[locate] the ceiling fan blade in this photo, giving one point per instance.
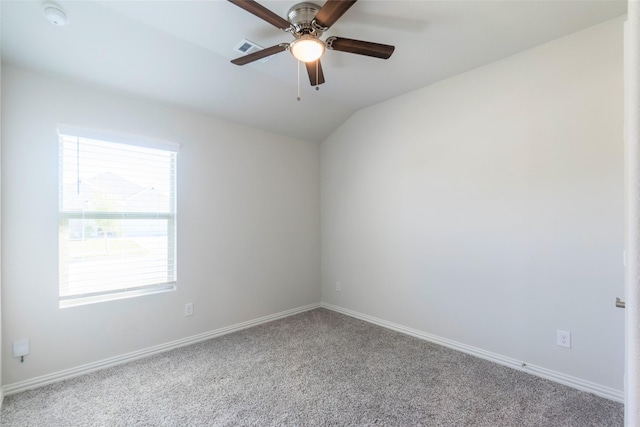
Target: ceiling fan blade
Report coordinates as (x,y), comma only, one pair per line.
(377,50)
(261,54)
(316,76)
(331,12)
(263,13)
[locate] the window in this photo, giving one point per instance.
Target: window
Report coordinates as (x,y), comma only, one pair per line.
(117,217)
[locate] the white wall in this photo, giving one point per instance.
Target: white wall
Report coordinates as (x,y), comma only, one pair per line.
(487,209)
(248,226)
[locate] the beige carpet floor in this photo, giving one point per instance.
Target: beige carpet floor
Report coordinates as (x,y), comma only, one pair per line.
(318,368)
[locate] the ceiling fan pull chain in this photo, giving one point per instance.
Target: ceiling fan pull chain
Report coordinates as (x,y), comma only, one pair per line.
(298,80)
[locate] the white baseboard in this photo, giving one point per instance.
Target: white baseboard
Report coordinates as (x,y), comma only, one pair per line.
(577,383)
(129,357)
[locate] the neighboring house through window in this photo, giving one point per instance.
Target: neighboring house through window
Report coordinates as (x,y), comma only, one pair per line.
(117,216)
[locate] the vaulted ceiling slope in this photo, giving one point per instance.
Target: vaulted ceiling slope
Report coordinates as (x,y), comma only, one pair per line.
(179,52)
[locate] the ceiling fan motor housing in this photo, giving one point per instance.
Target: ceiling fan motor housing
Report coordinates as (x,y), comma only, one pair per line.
(301,18)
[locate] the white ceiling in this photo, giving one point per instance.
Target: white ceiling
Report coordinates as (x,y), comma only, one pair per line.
(179,51)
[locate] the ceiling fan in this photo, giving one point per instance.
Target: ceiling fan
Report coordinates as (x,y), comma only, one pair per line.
(307,22)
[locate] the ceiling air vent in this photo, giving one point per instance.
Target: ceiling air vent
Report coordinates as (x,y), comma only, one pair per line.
(246,47)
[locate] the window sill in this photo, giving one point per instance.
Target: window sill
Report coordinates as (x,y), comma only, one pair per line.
(112,296)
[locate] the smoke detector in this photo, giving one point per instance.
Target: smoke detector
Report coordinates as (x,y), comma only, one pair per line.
(55,14)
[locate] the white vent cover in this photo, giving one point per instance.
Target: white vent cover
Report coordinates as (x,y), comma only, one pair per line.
(246,47)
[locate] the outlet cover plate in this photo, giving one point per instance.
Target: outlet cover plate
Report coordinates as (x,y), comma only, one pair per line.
(564,339)
(188,309)
(21,347)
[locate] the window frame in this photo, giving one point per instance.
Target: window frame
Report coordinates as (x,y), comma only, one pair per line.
(170,217)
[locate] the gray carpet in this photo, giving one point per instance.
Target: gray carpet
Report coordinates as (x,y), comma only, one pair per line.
(316,368)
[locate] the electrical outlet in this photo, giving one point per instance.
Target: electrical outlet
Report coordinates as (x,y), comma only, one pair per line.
(188,309)
(21,347)
(564,338)
(338,286)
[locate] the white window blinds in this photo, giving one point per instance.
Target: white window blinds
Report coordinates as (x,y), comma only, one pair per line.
(117,218)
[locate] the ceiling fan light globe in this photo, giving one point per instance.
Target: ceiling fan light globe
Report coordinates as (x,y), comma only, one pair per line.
(307,49)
